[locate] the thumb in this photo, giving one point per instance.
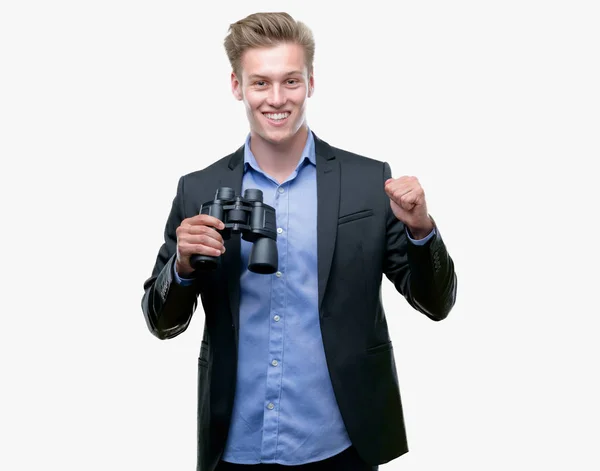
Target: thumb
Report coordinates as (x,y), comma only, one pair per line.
(386,186)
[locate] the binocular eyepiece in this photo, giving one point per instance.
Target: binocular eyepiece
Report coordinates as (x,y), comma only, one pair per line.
(252,218)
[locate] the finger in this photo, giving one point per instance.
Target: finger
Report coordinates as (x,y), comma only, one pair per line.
(396,192)
(405,179)
(391,185)
(185,231)
(412,198)
(198,249)
(408,200)
(403,185)
(202,239)
(205,220)
(206,230)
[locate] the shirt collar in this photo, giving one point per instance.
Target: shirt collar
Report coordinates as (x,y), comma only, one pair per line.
(308,154)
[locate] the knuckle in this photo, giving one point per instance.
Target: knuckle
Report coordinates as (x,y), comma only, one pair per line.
(208,241)
(201,229)
(199,249)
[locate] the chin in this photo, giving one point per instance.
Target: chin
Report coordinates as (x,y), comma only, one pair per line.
(276,137)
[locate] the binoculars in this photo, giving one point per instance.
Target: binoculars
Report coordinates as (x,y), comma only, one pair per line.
(252,218)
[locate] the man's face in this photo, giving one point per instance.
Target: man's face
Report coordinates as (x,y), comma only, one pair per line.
(274,87)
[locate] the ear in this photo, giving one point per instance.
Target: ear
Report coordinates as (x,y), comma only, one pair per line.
(311,84)
(236,87)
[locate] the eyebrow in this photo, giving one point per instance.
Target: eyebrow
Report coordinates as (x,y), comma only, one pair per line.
(259,76)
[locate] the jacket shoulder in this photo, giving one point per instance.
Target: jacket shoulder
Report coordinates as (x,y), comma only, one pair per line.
(357,163)
(345,156)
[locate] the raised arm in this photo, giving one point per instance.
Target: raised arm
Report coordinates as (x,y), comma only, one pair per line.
(422,272)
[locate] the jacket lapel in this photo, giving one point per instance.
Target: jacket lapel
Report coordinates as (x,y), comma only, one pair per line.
(328,203)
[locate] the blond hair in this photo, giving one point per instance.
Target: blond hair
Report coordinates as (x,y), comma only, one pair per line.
(267,30)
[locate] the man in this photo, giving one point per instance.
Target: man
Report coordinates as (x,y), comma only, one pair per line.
(296,368)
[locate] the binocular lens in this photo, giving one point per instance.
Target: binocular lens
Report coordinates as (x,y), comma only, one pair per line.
(263,256)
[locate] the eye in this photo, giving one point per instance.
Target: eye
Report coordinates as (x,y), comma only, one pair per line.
(260,83)
(292,82)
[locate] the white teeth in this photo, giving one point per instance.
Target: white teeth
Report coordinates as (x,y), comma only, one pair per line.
(277,116)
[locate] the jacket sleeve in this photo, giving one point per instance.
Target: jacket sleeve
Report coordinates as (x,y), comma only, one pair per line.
(423,274)
(168,306)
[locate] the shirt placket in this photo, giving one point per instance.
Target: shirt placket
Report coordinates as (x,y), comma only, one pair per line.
(276,330)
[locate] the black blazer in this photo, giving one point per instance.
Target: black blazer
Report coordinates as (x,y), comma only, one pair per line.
(359,240)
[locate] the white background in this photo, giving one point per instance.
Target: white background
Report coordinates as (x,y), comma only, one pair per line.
(493,105)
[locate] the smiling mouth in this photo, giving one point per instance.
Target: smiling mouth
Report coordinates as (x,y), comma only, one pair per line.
(276,117)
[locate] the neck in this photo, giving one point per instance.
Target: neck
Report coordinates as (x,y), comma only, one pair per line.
(279,160)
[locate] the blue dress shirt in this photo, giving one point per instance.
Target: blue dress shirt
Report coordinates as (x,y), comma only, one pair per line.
(284,410)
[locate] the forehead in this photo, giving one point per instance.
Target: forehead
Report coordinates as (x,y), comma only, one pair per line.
(273,61)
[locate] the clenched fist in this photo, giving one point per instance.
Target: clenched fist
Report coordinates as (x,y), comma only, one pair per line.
(407,200)
(198,235)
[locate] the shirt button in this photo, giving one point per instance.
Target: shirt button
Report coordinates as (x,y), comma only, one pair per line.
(276,318)
(271,406)
(274,363)
(280,190)
(278,274)
(279,230)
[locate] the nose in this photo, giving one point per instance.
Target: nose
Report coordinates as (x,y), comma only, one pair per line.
(276,97)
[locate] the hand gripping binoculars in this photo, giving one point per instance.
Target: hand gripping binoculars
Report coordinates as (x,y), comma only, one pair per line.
(252,218)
